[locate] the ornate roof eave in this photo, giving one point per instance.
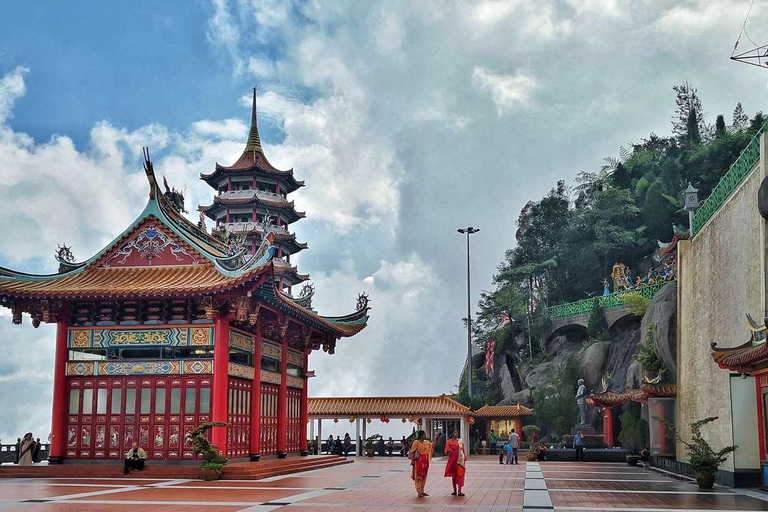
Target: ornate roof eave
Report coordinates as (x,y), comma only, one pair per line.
(282,206)
(610,399)
(659,390)
(747,357)
(290,183)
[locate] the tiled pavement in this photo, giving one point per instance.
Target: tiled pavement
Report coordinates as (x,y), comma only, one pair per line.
(383,485)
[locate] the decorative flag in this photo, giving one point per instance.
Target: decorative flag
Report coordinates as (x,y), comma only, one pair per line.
(490,348)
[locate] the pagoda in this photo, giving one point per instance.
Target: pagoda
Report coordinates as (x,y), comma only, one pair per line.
(251,201)
(169,327)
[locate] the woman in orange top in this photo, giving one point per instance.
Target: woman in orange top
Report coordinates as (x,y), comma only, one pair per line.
(457,461)
(420,454)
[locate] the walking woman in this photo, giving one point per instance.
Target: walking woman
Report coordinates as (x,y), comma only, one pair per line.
(420,454)
(457,462)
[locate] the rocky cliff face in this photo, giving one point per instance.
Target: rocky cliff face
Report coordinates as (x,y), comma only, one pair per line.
(611,357)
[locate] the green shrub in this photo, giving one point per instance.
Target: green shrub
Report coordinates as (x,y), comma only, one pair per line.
(636,303)
(633,432)
(597,323)
(646,355)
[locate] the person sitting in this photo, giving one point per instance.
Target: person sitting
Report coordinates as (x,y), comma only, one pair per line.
(347,444)
(338,446)
(404,447)
(331,444)
(541,452)
(134,459)
(390,447)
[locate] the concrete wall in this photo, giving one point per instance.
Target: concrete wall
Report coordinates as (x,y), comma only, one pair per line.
(721,276)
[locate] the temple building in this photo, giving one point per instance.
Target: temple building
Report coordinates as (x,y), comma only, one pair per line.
(170,326)
(251,201)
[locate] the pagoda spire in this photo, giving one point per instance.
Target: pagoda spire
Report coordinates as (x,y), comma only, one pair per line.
(254,142)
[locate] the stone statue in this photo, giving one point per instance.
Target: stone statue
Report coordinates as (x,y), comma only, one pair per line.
(581,399)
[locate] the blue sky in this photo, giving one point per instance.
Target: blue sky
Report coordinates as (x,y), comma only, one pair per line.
(406,119)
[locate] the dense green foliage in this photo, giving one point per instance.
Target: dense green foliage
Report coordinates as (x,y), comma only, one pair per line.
(567,242)
(646,353)
(634,432)
(212,459)
(556,410)
(597,322)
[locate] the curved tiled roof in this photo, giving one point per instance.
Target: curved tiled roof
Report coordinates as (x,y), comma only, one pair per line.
(283,206)
(608,399)
(503,411)
(386,406)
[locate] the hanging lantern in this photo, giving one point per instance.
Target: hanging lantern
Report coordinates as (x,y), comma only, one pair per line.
(351,419)
(404,420)
(471,420)
(418,421)
(383,419)
(335,420)
(410,418)
(368,420)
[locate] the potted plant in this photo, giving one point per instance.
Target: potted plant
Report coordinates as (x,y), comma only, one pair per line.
(532,434)
(703,458)
(370,445)
(213,461)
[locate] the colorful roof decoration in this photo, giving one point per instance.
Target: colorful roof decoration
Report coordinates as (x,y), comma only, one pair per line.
(609,399)
(162,254)
(416,406)
(748,357)
(679,233)
(253,159)
(659,390)
(503,411)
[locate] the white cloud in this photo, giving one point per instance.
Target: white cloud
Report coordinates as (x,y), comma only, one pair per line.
(226,129)
(12,87)
(508,92)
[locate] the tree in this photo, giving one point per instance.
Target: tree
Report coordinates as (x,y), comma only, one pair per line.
(757,122)
(740,119)
(657,212)
(633,435)
(688,120)
(720,130)
(597,323)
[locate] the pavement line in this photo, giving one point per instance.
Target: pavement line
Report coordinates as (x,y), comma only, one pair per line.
(535,495)
(67,497)
(703,493)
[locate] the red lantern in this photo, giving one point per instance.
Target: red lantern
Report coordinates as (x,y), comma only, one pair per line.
(471,420)
(418,421)
(404,420)
(368,420)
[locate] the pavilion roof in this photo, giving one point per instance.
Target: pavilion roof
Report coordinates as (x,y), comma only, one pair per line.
(659,390)
(253,159)
(386,406)
(162,254)
(503,411)
(286,207)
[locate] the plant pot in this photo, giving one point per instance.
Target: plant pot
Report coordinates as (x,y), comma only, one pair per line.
(209,475)
(705,481)
(632,460)
(531,456)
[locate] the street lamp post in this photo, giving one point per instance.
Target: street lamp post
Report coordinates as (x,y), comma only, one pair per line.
(469,231)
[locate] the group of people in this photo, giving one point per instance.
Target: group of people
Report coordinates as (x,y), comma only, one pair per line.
(343,447)
(27,450)
(421,452)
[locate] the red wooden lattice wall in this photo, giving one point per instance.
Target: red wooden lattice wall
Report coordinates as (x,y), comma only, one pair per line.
(293,435)
(239,418)
(106,415)
(268,420)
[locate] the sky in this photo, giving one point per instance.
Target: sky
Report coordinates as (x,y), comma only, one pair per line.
(407,120)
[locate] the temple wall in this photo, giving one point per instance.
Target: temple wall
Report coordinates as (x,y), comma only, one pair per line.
(721,277)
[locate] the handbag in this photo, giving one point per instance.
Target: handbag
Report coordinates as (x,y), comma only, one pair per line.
(414,456)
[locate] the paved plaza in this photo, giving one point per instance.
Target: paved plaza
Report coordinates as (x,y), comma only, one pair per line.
(383,484)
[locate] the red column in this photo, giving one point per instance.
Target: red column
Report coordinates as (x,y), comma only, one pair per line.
(59,418)
(608,426)
(229,185)
(304,395)
(220,380)
(256,397)
(282,400)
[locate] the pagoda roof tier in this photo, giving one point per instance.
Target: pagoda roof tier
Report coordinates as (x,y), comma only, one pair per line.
(253,161)
(610,399)
(403,406)
(748,357)
(289,274)
(503,411)
(659,390)
(285,207)
(162,254)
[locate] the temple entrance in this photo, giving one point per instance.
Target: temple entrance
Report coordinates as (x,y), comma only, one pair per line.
(268,423)
(107,415)
(293,435)
(239,418)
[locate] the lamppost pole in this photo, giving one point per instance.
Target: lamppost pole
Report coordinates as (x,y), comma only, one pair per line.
(468,231)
